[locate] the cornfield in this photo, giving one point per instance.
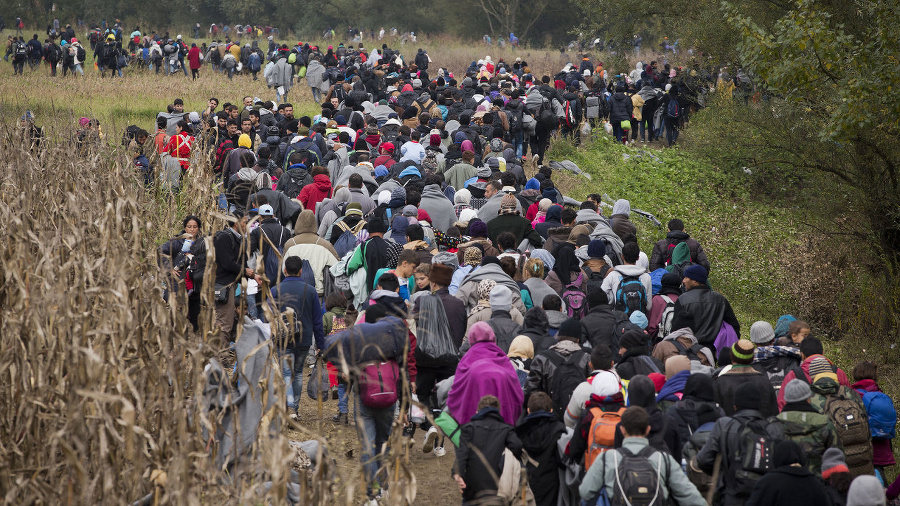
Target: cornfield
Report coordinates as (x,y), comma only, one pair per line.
(103,403)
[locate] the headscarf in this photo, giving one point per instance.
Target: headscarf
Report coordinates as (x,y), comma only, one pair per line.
(484,370)
(534,184)
(462,196)
(484,294)
(398,229)
(467,146)
(546,257)
(521,347)
(566,262)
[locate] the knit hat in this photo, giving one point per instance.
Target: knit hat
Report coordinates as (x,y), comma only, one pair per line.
(501,298)
(788,453)
(353,208)
(819,365)
(508,204)
(421,215)
(742,352)
(446,258)
(473,256)
(466,215)
(399,193)
(596,249)
(478,228)
(462,196)
(866,490)
(833,462)
(633,339)
(376,226)
(604,384)
(677,363)
(762,333)
(570,328)
(670,284)
(434,140)
(441,275)
(659,380)
(697,273)
(384,197)
(483,172)
(596,298)
(244,141)
(640,319)
(747,396)
(797,391)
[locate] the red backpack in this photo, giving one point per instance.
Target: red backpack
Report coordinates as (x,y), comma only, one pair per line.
(378,384)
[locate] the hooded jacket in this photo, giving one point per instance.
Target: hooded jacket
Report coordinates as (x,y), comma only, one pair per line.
(704,310)
(314,193)
(611,283)
(599,326)
(307,245)
(619,107)
(539,433)
(315,73)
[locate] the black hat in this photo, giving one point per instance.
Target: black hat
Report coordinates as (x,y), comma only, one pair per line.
(570,328)
(376,226)
(747,396)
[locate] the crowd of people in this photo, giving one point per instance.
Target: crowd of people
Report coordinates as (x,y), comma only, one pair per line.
(536,333)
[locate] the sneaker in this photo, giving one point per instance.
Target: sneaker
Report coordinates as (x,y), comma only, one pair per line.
(430,438)
(340,416)
(534,159)
(295,414)
(440,451)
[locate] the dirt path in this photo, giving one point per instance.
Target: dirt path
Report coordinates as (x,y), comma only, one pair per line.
(434,483)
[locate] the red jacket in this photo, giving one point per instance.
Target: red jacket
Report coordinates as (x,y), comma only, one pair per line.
(841,376)
(316,192)
(194,58)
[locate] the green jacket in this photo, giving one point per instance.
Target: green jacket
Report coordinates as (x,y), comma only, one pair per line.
(812,430)
(672,479)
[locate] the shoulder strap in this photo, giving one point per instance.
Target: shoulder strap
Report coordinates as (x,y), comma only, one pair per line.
(666,297)
(680,347)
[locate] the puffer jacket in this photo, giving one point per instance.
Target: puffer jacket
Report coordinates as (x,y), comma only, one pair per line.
(619,107)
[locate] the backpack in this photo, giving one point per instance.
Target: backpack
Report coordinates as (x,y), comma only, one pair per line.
(594,279)
(253,62)
(378,384)
(631,296)
(349,239)
(272,260)
(882,414)
(566,378)
(309,158)
(665,322)
(673,110)
(545,115)
(670,248)
(515,119)
(20,49)
(575,299)
(692,447)
(222,151)
(294,326)
(129,135)
(848,414)
(637,482)
(602,434)
(292,58)
(82,54)
(569,115)
(430,160)
(692,353)
(197,265)
(756,448)
(338,323)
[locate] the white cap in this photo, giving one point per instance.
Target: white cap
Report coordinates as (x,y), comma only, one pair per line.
(266,210)
(179,37)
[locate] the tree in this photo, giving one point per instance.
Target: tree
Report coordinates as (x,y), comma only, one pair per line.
(510,16)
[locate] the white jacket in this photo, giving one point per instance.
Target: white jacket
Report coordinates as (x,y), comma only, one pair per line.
(611,282)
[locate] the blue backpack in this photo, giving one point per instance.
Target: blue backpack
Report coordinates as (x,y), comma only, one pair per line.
(631,295)
(673,110)
(253,62)
(882,414)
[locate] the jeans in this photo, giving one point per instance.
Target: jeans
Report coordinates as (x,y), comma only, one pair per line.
(292,362)
(317,95)
(374,428)
(252,308)
(181,61)
(618,133)
(518,141)
(343,398)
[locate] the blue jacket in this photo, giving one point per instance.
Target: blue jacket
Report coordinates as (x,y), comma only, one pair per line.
(302,298)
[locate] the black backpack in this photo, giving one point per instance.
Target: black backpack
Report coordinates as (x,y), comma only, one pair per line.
(197,264)
(515,119)
(81,54)
(631,295)
(756,451)
(20,49)
(594,280)
(130,134)
(566,378)
(637,482)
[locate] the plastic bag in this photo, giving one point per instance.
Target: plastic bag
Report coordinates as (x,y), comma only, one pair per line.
(608,127)
(318,383)
(435,346)
(416,415)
